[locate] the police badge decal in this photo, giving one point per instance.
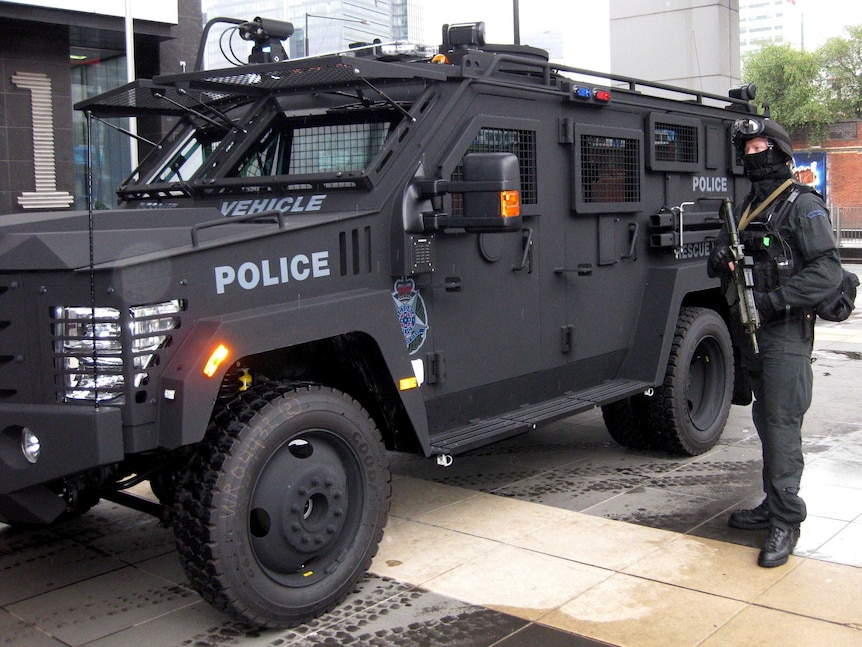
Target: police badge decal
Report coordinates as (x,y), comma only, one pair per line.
(411,312)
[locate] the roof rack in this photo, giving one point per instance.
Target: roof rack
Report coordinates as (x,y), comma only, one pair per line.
(176,94)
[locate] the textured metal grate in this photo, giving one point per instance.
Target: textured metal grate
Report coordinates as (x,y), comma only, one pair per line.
(610,169)
(521,143)
(336,147)
(286,77)
(142,97)
(675,143)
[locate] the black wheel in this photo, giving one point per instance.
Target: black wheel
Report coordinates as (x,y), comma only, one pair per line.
(628,422)
(690,408)
(284,505)
(164,487)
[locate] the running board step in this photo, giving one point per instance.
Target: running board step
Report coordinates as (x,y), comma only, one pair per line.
(484,431)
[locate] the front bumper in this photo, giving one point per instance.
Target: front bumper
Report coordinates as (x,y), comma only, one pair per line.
(73,439)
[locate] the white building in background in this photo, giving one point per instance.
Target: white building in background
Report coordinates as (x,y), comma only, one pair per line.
(551,40)
(688,43)
(768,21)
(408,23)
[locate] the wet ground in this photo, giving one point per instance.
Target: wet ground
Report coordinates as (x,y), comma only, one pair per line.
(558,537)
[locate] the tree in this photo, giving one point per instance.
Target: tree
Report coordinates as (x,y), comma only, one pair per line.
(808,91)
(841,61)
(788,82)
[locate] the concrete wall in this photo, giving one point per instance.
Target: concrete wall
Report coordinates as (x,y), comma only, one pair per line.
(690,43)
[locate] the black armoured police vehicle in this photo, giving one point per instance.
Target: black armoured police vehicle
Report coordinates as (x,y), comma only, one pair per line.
(327,258)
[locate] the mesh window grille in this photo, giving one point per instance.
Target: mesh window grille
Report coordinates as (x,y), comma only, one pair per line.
(336,147)
(610,169)
(675,143)
(521,143)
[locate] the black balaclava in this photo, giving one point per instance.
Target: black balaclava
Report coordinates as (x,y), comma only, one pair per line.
(766,170)
(770,164)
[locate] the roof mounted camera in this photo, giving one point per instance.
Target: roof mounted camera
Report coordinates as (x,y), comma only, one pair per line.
(458,39)
(746,92)
(464,35)
(267,35)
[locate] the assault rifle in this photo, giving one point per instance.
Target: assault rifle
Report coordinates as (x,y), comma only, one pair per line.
(742,277)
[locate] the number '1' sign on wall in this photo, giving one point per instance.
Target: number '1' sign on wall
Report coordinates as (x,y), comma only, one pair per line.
(46,195)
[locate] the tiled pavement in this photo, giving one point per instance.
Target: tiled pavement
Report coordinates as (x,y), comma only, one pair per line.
(556,538)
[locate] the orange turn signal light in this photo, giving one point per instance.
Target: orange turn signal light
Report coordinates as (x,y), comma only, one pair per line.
(407,383)
(510,204)
(218,356)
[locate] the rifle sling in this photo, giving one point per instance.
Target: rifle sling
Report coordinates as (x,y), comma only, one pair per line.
(748,217)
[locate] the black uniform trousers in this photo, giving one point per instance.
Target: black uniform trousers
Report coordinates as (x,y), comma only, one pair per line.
(782,381)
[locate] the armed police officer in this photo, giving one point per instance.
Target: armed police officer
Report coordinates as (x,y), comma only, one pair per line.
(784,227)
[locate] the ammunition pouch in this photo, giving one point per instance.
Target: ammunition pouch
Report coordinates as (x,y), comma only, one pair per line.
(772,266)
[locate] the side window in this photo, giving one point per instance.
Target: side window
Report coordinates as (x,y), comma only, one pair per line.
(188,157)
(314,145)
(608,169)
(733,155)
(262,160)
(521,143)
(676,143)
(330,148)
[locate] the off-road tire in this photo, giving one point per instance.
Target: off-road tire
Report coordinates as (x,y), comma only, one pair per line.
(687,412)
(283,505)
(629,424)
(690,408)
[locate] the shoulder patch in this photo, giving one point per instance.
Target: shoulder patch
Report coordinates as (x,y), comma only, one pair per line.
(816,213)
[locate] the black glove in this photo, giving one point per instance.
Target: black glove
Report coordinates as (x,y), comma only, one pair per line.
(764,305)
(720,260)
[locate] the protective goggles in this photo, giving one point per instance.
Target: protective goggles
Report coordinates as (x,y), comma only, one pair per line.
(746,129)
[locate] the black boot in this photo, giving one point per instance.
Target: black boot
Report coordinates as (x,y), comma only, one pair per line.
(778,547)
(751,519)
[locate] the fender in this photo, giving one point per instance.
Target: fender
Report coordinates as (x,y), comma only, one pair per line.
(186,396)
(653,338)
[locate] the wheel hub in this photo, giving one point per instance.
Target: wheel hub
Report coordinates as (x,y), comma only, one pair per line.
(299,509)
(314,514)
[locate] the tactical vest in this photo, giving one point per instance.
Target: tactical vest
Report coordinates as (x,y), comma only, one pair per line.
(776,257)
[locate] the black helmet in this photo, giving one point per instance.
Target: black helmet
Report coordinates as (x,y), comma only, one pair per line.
(751,127)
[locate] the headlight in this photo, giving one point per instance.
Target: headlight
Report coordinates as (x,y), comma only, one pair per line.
(31,446)
(89,349)
(150,326)
(89,342)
